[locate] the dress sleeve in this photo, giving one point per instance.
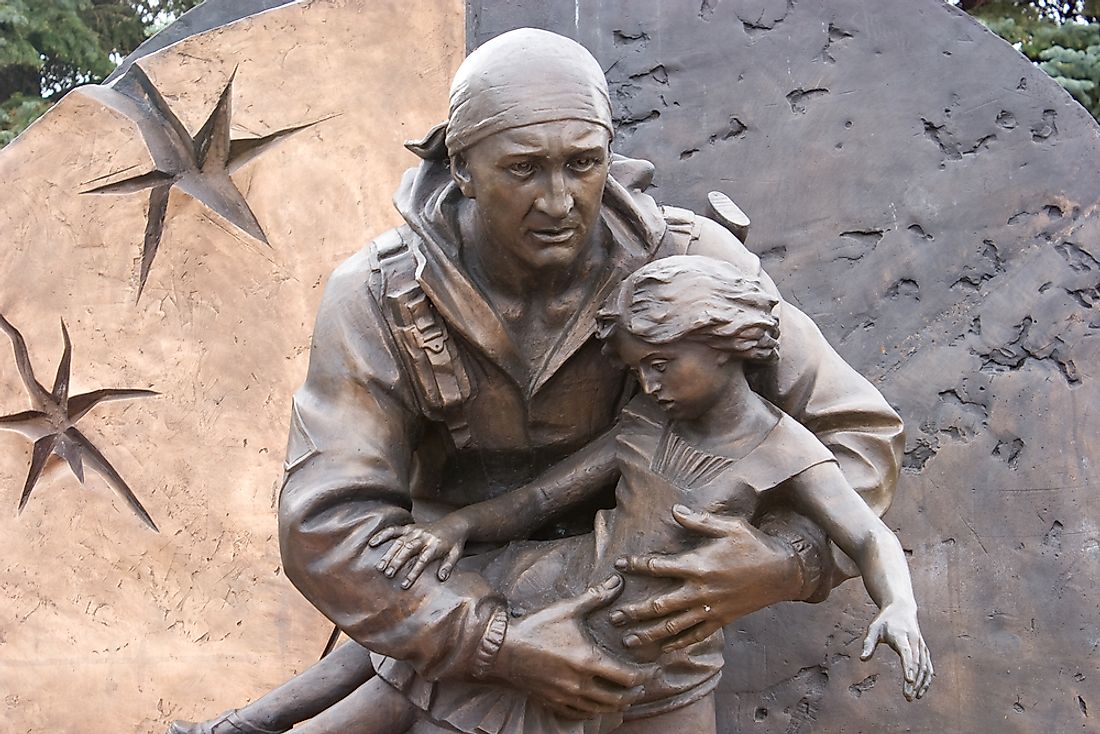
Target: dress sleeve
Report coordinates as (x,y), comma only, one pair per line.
(814,385)
(354,429)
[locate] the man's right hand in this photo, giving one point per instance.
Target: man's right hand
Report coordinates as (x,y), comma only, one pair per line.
(549,654)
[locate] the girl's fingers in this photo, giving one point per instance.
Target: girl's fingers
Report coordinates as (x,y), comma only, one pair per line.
(392,551)
(409,548)
(427,555)
(874,636)
(454,555)
(388,533)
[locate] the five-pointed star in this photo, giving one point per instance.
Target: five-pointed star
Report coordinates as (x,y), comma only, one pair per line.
(51,424)
(200,166)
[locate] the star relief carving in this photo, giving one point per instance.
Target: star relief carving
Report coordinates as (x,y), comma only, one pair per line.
(200,166)
(51,423)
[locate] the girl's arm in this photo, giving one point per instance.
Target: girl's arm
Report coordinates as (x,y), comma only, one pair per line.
(511,516)
(568,483)
(822,493)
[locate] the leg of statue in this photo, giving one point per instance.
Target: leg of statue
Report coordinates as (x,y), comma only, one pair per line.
(302,697)
(375,707)
(698,718)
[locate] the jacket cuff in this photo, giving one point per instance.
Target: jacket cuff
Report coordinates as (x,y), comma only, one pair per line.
(811,549)
(491,641)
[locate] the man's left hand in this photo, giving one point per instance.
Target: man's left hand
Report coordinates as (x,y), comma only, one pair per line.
(737,571)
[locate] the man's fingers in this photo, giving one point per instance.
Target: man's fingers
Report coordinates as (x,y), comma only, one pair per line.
(653,566)
(655,608)
(697,633)
(617,675)
(388,533)
(599,596)
(454,555)
(576,708)
(706,523)
(664,629)
(590,698)
(606,696)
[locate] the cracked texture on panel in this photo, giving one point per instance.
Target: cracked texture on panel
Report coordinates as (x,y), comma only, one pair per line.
(932,200)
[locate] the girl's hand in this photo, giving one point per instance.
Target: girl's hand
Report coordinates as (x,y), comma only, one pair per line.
(445,538)
(896,625)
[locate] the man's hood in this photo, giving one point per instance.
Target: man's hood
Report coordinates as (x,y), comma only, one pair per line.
(428,199)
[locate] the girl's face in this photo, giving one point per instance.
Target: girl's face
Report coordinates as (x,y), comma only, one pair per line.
(687,378)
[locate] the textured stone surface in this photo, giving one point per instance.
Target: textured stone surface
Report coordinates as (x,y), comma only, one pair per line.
(931,199)
(917,187)
(105,625)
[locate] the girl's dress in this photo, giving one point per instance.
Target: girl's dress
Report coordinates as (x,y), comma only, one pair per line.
(658,470)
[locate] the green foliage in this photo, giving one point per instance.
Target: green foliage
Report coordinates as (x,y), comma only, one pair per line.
(1076,70)
(1059,11)
(47,47)
(1069,52)
(18,113)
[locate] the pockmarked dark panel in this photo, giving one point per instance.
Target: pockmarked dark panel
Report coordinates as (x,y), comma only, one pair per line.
(931,199)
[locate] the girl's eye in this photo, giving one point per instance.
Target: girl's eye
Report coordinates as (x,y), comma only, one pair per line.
(659,366)
(522,168)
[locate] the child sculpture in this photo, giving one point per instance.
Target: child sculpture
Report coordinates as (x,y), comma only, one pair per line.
(698,438)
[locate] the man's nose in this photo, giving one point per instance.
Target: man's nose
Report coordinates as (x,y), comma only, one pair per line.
(555,200)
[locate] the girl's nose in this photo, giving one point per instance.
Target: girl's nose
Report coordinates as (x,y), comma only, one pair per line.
(649,382)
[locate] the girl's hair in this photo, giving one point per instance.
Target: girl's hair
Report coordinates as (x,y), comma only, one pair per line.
(698,298)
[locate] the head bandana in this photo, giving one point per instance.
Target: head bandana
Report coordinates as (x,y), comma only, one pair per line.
(525,77)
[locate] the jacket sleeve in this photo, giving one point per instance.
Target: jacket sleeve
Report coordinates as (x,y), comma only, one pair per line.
(353,433)
(813,384)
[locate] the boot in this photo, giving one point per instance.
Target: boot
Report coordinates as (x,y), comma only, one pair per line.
(228,723)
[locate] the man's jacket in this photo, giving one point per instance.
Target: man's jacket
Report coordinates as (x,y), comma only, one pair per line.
(368,445)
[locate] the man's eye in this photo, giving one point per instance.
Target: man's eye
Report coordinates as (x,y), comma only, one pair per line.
(522,168)
(583,165)
(659,366)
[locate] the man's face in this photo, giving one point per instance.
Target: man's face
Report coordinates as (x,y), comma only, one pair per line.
(538,189)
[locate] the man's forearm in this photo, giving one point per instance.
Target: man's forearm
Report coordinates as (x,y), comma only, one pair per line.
(438,628)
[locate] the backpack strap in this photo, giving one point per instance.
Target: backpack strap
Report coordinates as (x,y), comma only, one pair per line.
(682,229)
(432,359)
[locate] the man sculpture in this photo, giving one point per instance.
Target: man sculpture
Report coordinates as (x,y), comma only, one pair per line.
(455,359)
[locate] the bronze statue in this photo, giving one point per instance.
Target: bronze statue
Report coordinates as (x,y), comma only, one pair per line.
(455,360)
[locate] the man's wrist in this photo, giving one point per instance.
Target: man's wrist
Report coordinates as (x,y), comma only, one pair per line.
(492,639)
(806,549)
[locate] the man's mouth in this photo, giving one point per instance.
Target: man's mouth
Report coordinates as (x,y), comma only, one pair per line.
(553,235)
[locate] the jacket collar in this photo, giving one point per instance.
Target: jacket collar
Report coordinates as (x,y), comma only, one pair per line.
(428,200)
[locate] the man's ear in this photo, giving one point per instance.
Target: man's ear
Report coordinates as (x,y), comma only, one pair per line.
(460,172)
